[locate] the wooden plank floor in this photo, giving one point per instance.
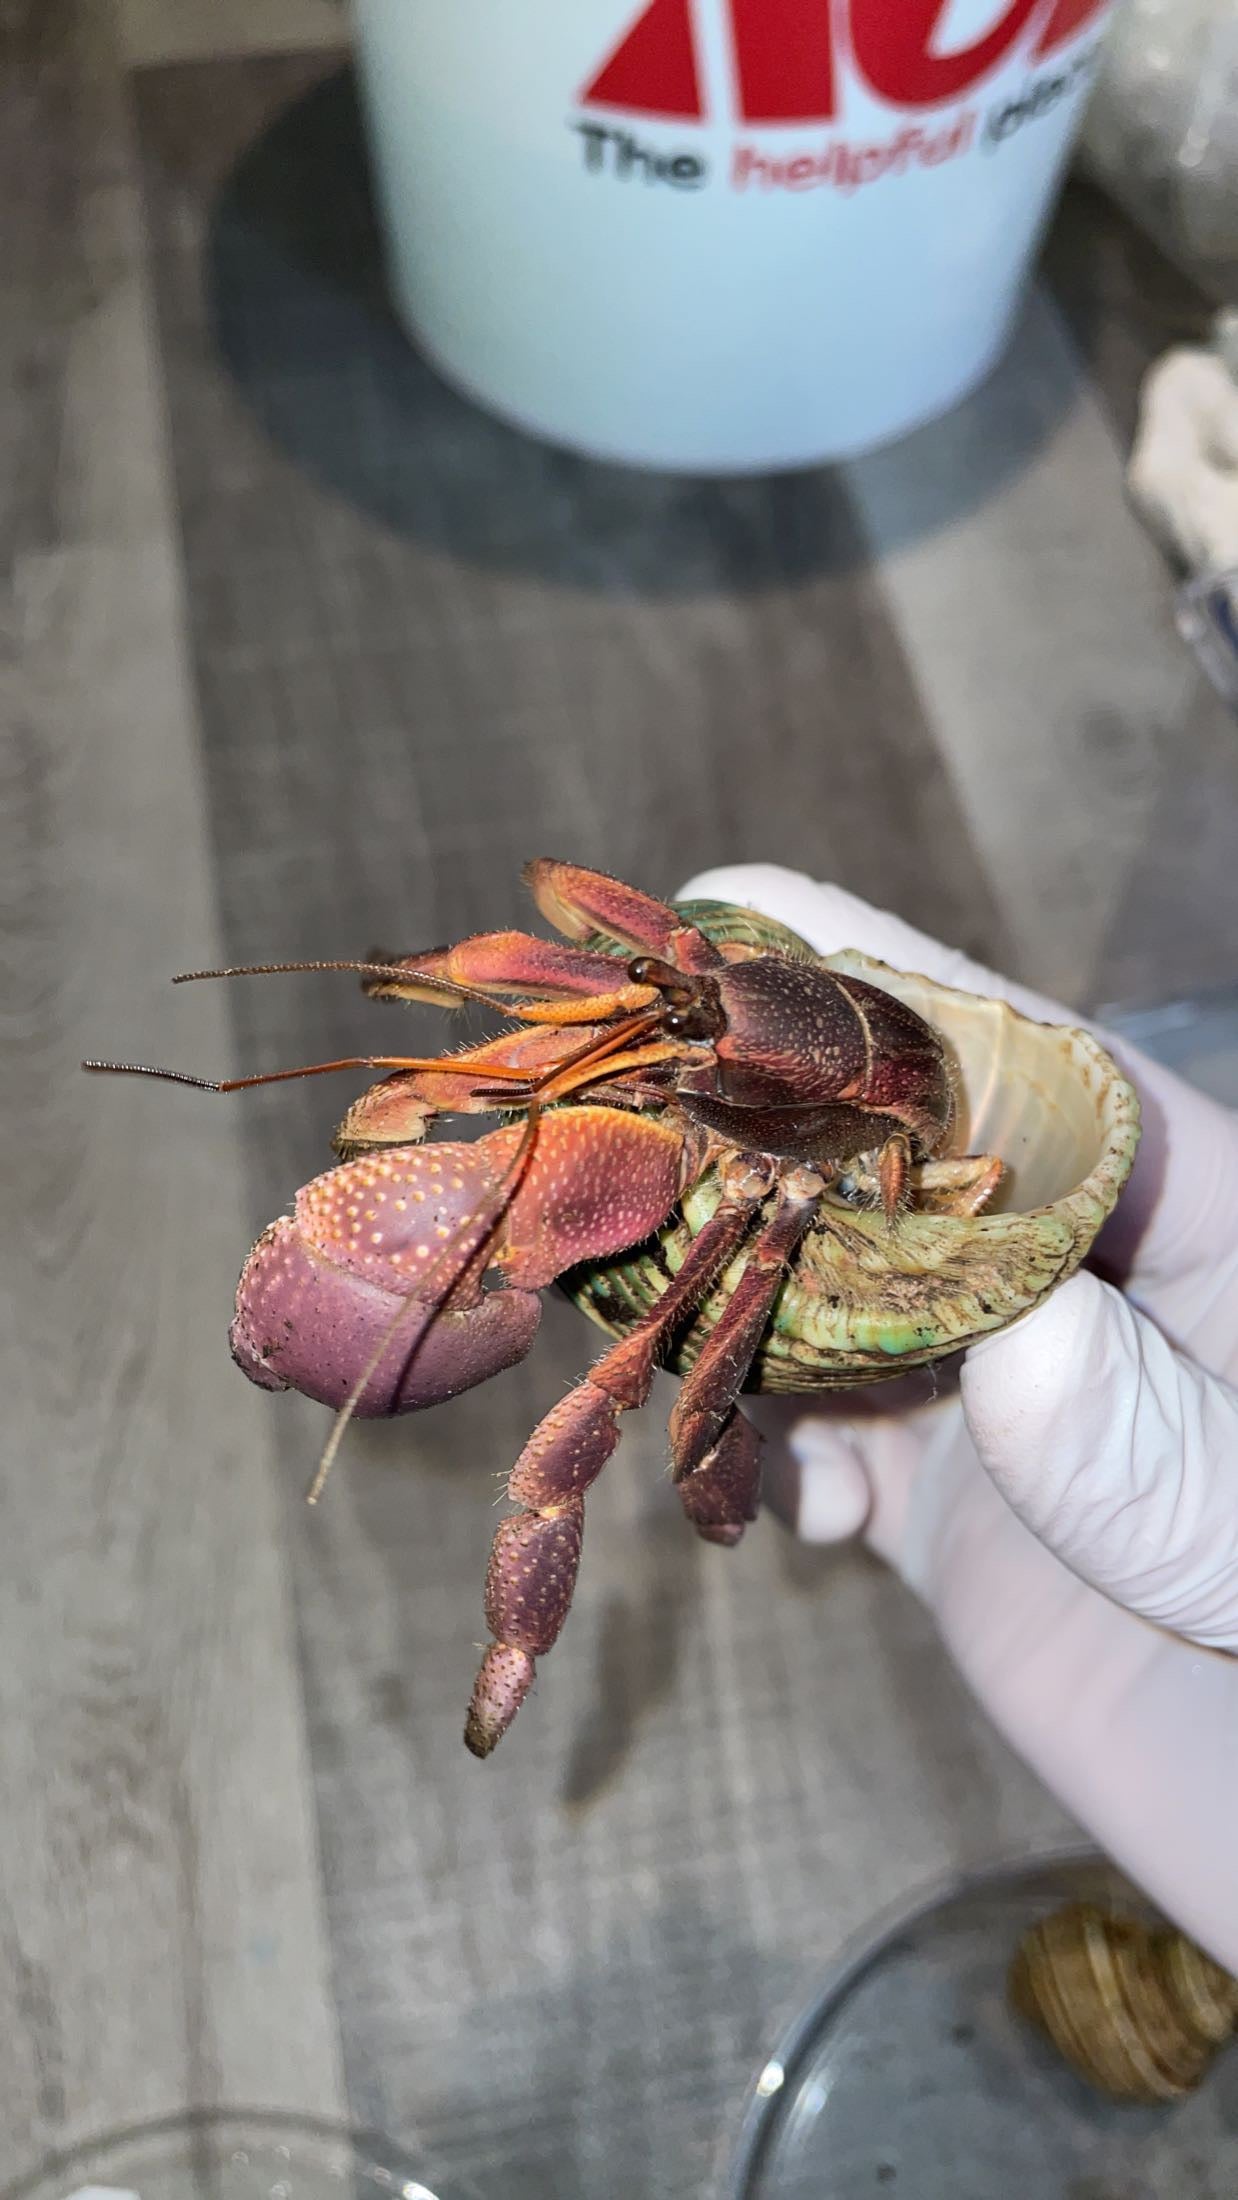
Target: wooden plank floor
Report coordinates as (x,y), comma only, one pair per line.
(316,656)
(161,1913)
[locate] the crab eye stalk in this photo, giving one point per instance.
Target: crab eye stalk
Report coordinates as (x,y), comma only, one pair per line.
(651,970)
(692,1006)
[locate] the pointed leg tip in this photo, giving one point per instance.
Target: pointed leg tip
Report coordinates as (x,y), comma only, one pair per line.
(722,1495)
(501,1686)
(477,1740)
(893,1170)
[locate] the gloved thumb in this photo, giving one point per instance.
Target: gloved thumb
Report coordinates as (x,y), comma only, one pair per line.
(828,1479)
(1118,1452)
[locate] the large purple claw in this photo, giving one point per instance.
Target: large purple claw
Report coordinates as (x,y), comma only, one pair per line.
(320,1288)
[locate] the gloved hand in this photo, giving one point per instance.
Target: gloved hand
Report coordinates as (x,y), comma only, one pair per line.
(1071,1515)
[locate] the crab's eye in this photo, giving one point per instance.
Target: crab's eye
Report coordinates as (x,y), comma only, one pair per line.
(698,1020)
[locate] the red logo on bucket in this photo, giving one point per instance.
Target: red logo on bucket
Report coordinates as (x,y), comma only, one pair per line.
(785,55)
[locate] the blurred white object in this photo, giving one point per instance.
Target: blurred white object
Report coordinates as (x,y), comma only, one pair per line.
(1183,481)
(1162,129)
(1183,471)
(719,235)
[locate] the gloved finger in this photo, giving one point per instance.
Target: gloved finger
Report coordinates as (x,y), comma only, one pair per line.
(828,1479)
(1132,1728)
(1174,1239)
(1118,1452)
(819,1491)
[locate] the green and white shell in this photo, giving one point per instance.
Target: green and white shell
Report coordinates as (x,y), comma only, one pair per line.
(863,1302)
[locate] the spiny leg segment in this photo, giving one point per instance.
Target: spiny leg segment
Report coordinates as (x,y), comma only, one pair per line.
(714,1449)
(536,1552)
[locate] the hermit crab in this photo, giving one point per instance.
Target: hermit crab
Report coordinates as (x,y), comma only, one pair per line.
(748,1162)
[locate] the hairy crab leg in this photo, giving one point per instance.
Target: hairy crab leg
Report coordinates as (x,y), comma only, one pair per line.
(893,1170)
(548,982)
(581,902)
(398,1110)
(715,1454)
(536,1551)
(962,1186)
(609,1067)
(626,1000)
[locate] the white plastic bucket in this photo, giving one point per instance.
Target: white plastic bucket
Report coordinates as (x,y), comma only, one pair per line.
(719,235)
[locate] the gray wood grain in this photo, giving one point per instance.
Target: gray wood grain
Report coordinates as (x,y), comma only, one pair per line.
(1125,302)
(1088,752)
(1040,626)
(185,30)
(161,1934)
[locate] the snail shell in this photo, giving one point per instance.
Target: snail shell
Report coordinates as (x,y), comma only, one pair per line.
(1135,2008)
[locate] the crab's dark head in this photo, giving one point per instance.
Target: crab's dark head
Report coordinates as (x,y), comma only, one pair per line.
(774,1034)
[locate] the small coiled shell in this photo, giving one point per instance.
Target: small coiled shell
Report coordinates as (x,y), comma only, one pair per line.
(1135,2008)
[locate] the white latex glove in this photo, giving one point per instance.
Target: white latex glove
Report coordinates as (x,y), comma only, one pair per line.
(1070,1517)
(1183,470)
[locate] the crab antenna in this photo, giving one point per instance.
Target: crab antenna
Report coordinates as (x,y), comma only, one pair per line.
(277,969)
(613,1040)
(145,1069)
(308,1069)
(465,1246)
(451,988)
